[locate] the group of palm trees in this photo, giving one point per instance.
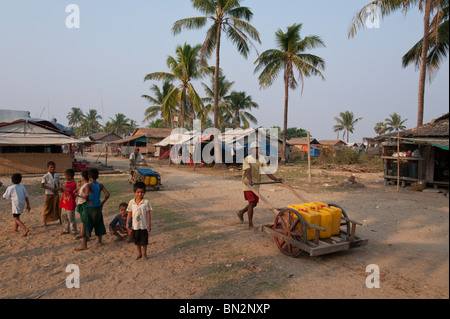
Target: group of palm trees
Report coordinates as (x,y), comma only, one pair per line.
(86,124)
(228,18)
(178,98)
(393,123)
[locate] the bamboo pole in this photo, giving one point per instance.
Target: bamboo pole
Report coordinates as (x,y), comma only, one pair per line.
(309,156)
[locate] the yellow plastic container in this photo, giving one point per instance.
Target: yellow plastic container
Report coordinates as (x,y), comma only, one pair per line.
(309,216)
(326,219)
(151,181)
(337,216)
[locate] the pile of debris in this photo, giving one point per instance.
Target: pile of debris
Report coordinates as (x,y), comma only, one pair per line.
(351,182)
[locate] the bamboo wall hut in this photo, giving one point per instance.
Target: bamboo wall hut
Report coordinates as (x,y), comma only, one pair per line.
(143,138)
(422,153)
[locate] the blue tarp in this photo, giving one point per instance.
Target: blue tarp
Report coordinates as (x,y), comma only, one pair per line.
(146,172)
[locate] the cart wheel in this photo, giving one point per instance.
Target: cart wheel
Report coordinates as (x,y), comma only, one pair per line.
(289,223)
(345,223)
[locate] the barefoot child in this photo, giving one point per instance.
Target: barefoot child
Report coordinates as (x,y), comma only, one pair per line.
(252,169)
(94,215)
(18,196)
(118,226)
(139,210)
(81,202)
(68,204)
(50,182)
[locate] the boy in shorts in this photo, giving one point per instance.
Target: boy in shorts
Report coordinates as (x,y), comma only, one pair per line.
(139,212)
(252,169)
(18,196)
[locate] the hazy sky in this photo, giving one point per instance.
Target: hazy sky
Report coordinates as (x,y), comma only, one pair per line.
(43,63)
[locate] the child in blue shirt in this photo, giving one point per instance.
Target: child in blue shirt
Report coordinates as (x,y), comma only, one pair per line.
(118,226)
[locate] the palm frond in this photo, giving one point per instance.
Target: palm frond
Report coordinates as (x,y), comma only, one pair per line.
(189,24)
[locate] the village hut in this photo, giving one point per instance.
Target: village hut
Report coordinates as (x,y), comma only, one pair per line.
(27,146)
(301,144)
(143,138)
(99,142)
(422,153)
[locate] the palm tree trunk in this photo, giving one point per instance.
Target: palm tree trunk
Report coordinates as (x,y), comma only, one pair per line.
(183,108)
(423,63)
(217,150)
(285,123)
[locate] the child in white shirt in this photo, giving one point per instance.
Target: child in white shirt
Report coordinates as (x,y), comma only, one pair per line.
(139,210)
(18,196)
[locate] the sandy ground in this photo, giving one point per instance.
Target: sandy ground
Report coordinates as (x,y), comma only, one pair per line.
(199,250)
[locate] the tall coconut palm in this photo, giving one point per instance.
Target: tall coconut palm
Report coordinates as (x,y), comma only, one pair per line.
(290,58)
(91,123)
(239,105)
(438,45)
(120,125)
(228,17)
(380,128)
(395,123)
(75,118)
(223,89)
(346,122)
(166,108)
(387,7)
(185,69)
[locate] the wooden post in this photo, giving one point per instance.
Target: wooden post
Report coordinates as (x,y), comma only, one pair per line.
(309,157)
(398,161)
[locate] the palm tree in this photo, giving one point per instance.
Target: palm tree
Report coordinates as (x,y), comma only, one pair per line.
(90,124)
(239,106)
(166,108)
(230,18)
(76,117)
(438,45)
(185,69)
(223,89)
(290,57)
(427,7)
(346,122)
(380,128)
(120,125)
(395,123)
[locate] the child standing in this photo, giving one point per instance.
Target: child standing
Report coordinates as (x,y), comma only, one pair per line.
(18,196)
(51,182)
(94,216)
(68,204)
(139,210)
(81,202)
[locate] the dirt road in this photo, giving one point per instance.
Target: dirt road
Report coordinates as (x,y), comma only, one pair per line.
(199,249)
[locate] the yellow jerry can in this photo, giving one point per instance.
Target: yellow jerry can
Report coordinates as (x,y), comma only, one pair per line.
(337,216)
(309,216)
(326,220)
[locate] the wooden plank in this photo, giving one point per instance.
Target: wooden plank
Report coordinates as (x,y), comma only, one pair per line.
(328,249)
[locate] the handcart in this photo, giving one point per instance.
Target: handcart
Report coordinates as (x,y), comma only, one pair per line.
(147,176)
(290,230)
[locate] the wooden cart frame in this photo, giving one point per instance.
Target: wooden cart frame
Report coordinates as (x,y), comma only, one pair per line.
(289,230)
